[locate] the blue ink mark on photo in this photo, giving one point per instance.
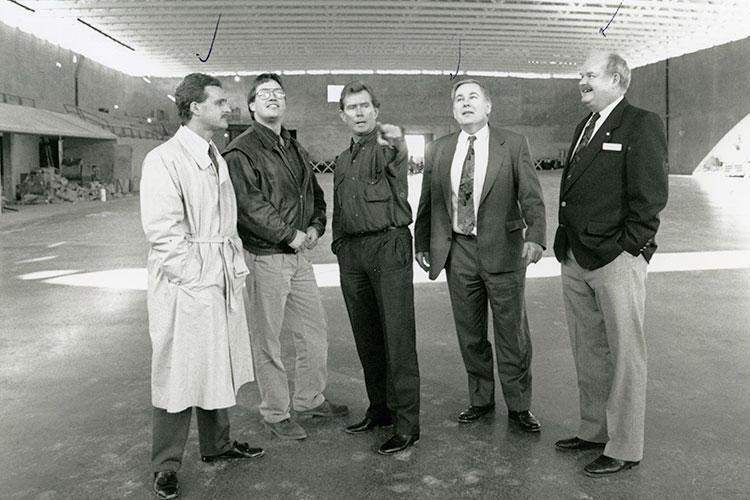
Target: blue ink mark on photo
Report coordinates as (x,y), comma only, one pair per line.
(459,62)
(602,30)
(212,42)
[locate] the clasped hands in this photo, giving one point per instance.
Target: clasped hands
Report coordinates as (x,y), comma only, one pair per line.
(305,241)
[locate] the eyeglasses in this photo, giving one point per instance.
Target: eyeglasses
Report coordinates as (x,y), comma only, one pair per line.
(266,94)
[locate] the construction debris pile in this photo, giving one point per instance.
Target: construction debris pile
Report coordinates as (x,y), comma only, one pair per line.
(47,186)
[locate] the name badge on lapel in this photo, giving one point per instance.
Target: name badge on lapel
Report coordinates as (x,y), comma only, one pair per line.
(611,146)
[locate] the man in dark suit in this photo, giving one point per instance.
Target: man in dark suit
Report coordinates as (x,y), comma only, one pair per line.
(613,187)
(481,217)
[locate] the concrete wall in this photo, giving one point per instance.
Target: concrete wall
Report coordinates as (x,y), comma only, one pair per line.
(709,93)
(24,158)
(6,172)
(29,70)
(93,152)
(139,150)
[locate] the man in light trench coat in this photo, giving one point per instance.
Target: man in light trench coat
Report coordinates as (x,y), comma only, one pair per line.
(196,274)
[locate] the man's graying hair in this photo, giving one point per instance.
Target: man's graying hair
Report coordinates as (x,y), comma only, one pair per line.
(475,82)
(618,65)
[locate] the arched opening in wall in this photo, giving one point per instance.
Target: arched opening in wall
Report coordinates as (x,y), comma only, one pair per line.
(731,155)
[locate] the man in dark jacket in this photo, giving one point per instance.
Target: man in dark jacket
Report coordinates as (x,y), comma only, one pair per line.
(281,214)
(613,187)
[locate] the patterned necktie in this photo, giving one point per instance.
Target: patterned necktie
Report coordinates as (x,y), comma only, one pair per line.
(585,138)
(214,163)
(465,216)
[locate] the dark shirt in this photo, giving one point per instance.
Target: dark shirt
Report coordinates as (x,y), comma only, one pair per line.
(370,188)
(287,148)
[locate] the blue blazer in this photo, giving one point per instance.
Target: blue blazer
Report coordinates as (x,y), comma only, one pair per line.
(611,198)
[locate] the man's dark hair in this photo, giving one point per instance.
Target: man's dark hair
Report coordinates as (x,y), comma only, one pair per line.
(192,89)
(259,80)
(354,88)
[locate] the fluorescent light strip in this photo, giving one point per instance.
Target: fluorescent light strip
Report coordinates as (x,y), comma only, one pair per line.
(105,34)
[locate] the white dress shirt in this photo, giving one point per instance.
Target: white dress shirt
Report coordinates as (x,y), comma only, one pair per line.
(198,148)
(603,115)
(481,155)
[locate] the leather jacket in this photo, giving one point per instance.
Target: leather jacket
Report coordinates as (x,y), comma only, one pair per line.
(272,201)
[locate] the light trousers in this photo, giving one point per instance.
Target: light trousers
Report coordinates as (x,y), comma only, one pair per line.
(605,309)
(284,295)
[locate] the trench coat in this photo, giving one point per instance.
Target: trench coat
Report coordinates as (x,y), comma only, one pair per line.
(196,278)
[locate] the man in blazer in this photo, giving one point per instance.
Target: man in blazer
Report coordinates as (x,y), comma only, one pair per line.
(613,187)
(481,217)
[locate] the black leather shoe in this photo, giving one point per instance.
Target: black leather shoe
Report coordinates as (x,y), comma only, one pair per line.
(398,442)
(473,413)
(165,484)
(576,444)
(367,424)
(525,420)
(605,465)
(237,451)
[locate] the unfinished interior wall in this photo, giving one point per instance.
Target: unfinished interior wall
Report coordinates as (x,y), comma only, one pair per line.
(24,158)
(138,149)
(708,94)
(30,70)
(93,152)
(5,181)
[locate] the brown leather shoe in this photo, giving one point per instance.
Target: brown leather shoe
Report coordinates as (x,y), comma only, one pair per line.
(165,484)
(525,420)
(576,444)
(324,409)
(605,465)
(474,413)
(237,451)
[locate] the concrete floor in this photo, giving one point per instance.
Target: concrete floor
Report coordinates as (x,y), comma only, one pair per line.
(75,361)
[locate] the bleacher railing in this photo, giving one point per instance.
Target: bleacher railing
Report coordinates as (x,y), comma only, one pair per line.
(17,99)
(154,131)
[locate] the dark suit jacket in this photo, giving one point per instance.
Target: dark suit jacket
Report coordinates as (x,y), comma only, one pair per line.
(511,200)
(610,200)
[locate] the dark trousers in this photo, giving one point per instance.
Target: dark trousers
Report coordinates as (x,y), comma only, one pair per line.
(376,280)
(471,288)
(170,433)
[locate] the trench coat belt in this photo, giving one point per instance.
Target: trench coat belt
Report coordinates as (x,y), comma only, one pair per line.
(233,261)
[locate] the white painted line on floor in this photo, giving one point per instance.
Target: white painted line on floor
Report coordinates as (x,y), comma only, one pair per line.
(38,259)
(327,275)
(59,243)
(47,274)
(122,279)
